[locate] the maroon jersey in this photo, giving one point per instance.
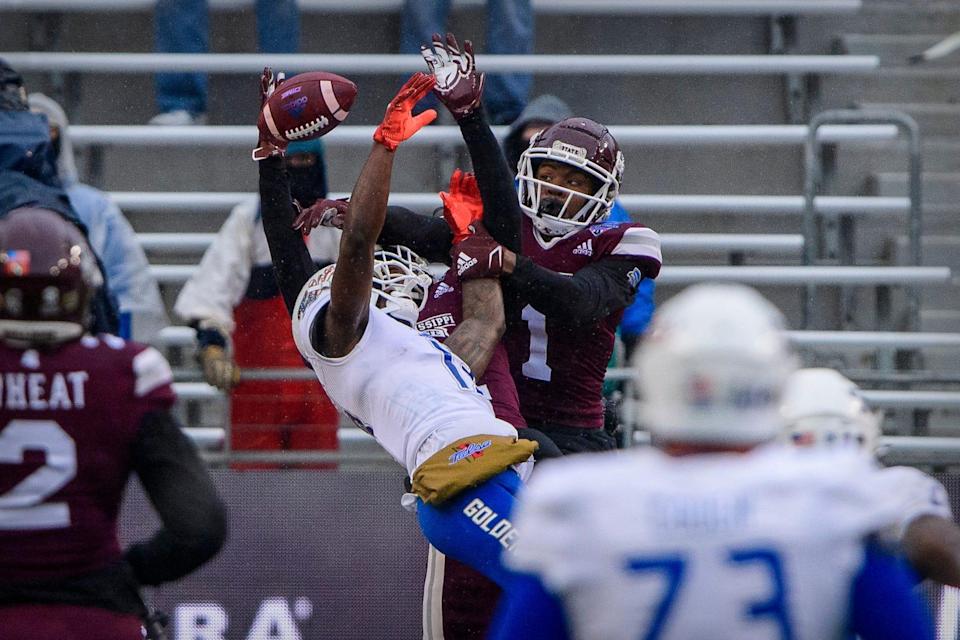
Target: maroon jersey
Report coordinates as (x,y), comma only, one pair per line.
(558,369)
(440,316)
(68,420)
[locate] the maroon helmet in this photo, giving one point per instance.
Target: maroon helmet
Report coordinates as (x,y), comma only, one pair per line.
(586,145)
(48,275)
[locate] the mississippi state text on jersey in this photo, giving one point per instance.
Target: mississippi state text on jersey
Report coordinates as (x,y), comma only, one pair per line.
(70,418)
(559,369)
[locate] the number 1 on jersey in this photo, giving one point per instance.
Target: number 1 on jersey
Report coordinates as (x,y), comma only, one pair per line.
(536,366)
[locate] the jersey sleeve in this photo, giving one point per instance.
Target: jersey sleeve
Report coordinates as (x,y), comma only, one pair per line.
(630,241)
(551,525)
(314,296)
(916,494)
(152,380)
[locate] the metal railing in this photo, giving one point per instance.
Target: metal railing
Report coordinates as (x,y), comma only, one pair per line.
(672,275)
(203,201)
(388,64)
(581,7)
(813,183)
(781,244)
(181,336)
(245,136)
(358,448)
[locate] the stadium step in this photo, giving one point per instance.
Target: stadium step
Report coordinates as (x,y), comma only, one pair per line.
(934,118)
(937,187)
(940,320)
(895,84)
(894,49)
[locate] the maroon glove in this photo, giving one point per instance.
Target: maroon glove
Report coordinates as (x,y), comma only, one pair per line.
(322,213)
(268,145)
(457,83)
(479,256)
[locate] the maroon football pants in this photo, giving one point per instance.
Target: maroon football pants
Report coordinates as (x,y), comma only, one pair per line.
(458,601)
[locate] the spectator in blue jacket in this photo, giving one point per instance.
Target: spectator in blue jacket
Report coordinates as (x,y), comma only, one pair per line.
(142,313)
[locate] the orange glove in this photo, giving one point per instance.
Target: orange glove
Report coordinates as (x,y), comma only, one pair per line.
(399,123)
(462,206)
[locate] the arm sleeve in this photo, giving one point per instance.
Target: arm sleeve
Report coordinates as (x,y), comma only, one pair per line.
(501,209)
(637,316)
(291,258)
(428,237)
(883,603)
(584,298)
(528,610)
(193,518)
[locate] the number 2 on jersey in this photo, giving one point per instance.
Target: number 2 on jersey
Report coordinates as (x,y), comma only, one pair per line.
(673,567)
(23,506)
(536,366)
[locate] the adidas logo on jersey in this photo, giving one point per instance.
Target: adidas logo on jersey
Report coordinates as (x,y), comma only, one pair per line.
(442,288)
(464,262)
(585,248)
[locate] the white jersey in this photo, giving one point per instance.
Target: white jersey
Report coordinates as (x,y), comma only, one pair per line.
(412,394)
(921,495)
(756,546)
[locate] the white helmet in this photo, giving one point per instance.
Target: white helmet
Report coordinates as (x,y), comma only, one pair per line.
(400,283)
(822,407)
(713,367)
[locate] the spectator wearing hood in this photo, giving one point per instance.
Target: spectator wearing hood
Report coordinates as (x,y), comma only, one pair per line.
(542,112)
(112,238)
(28,178)
(234,303)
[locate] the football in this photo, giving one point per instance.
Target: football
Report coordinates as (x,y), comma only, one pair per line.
(307,106)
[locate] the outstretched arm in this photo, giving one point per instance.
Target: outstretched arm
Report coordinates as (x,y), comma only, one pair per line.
(932,546)
(291,258)
(482,326)
(347,314)
(460,87)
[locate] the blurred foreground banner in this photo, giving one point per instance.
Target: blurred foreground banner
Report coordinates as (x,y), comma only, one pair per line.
(316,555)
(311,555)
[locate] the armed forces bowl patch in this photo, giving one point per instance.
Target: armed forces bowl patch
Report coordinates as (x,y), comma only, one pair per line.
(472,450)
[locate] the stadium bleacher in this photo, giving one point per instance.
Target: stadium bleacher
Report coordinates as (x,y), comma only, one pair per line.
(711,101)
